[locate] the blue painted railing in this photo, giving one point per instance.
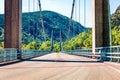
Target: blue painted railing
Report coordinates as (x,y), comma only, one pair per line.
(33,53)
(104,53)
(11,54)
(8,54)
(109,53)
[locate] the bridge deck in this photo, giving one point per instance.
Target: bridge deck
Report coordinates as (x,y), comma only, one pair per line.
(60,67)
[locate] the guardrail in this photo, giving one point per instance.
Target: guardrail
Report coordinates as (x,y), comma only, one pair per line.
(33,53)
(104,53)
(8,54)
(80,52)
(109,53)
(11,54)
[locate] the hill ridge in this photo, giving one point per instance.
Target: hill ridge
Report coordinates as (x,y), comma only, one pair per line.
(32,30)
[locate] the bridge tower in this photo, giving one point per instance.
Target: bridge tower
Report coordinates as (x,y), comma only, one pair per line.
(100,28)
(13,24)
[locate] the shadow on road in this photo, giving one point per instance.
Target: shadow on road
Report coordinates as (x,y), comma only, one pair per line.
(81,61)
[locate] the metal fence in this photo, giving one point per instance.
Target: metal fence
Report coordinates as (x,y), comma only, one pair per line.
(8,54)
(80,52)
(104,53)
(11,54)
(33,53)
(109,53)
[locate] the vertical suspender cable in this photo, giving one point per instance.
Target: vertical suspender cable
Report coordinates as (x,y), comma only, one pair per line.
(71,18)
(33,5)
(51,41)
(110,31)
(75,17)
(37,33)
(29,17)
(41,19)
(60,40)
(79,10)
(85,13)
(33,19)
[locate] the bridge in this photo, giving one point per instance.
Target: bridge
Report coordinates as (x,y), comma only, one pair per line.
(99,63)
(61,67)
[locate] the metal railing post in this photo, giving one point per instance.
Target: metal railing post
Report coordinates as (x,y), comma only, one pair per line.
(19,54)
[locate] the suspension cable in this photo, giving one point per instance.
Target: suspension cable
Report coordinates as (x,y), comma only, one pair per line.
(29,17)
(33,19)
(110,32)
(85,13)
(37,33)
(73,25)
(71,18)
(60,40)
(75,17)
(79,10)
(33,5)
(51,41)
(75,14)
(41,19)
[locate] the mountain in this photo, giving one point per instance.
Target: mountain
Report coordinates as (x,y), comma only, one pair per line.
(115,24)
(32,29)
(118,8)
(84,39)
(115,19)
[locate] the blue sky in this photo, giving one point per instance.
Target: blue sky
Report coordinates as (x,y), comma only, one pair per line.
(64,7)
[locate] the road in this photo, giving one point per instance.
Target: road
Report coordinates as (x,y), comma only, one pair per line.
(59,66)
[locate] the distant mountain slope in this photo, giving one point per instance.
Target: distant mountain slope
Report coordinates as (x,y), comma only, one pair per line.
(52,21)
(32,30)
(84,39)
(118,8)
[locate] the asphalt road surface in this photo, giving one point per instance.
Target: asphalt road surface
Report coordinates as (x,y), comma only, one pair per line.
(59,66)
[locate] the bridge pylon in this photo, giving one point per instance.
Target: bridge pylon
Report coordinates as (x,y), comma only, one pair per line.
(13,24)
(100,28)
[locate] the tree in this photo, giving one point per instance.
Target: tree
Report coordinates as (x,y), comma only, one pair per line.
(45,46)
(56,47)
(31,45)
(2,45)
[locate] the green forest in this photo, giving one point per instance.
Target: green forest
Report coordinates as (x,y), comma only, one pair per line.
(80,37)
(84,39)
(32,31)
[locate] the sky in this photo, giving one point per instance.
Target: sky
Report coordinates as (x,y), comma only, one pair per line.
(64,7)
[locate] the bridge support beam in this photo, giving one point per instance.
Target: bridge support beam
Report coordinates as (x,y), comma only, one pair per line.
(13,23)
(100,30)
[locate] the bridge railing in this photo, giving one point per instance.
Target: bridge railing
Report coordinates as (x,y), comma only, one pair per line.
(33,53)
(8,54)
(11,54)
(80,52)
(103,53)
(109,53)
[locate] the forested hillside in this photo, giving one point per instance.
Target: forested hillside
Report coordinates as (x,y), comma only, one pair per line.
(32,31)
(115,21)
(84,39)
(52,21)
